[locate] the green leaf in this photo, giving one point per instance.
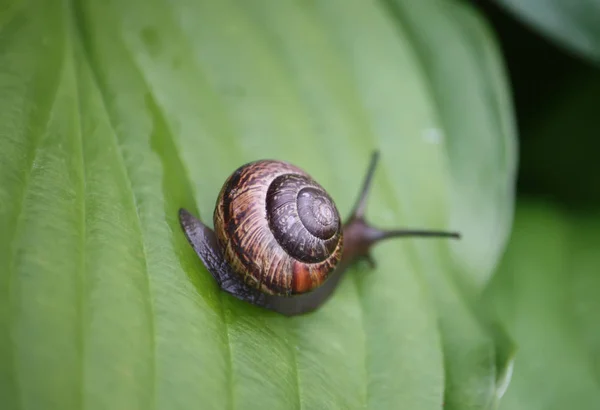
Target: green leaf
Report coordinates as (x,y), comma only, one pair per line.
(116,114)
(571,24)
(546,292)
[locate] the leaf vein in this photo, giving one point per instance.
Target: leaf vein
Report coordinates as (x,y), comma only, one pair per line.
(38,138)
(186,176)
(296,373)
(83,235)
(138,221)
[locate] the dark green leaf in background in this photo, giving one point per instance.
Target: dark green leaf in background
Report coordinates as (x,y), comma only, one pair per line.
(115,114)
(547,288)
(546,291)
(574,24)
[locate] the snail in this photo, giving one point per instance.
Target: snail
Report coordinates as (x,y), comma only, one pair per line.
(278,239)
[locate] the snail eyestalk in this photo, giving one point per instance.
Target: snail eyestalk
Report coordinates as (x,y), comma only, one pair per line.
(360,236)
(361,203)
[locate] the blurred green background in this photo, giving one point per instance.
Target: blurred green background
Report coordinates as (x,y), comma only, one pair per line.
(556,90)
(547,288)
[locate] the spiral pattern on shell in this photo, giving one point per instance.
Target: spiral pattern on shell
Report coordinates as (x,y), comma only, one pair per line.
(278,228)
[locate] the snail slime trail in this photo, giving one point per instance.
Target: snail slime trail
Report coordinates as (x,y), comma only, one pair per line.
(292,260)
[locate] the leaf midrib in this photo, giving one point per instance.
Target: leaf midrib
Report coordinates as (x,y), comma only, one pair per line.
(152,95)
(77,16)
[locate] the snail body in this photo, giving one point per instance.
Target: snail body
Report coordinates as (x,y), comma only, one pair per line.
(279,242)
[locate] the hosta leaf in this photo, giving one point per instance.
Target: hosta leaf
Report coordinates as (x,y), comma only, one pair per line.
(572,24)
(547,294)
(116,114)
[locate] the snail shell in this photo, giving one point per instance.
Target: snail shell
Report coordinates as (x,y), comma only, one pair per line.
(278,228)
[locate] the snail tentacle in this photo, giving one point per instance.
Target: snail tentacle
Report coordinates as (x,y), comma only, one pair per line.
(360,236)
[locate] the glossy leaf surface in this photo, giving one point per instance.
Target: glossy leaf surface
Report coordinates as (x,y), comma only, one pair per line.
(116,114)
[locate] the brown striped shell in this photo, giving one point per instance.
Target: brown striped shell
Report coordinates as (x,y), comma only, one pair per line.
(278,228)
